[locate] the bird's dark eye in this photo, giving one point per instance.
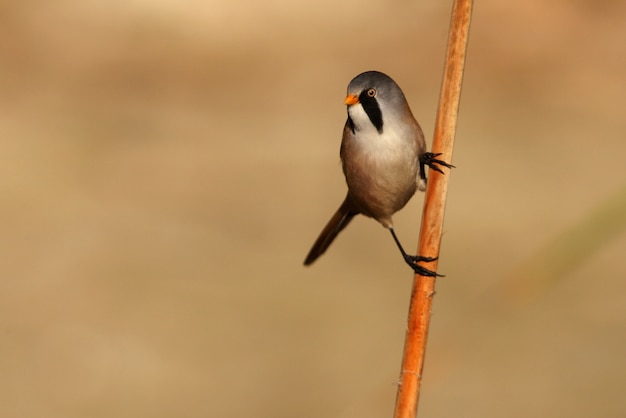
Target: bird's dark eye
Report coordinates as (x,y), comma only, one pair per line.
(371,92)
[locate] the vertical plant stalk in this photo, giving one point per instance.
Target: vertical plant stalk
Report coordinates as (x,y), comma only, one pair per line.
(433,213)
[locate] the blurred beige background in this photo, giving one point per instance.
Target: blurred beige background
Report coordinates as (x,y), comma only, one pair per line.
(165,166)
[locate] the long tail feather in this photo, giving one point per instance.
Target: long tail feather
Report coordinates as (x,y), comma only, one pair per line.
(335,225)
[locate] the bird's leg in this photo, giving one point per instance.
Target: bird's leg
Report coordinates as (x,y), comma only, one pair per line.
(430,159)
(412,260)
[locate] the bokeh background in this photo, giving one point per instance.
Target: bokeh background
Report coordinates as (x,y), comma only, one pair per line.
(165,166)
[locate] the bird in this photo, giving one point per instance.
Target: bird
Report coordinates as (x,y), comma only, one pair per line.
(383,157)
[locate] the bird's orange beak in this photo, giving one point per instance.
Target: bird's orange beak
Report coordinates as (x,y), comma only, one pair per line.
(351,99)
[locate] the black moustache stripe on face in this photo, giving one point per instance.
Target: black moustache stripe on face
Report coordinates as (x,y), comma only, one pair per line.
(370,105)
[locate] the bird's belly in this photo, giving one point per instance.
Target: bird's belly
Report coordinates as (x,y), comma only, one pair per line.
(381,185)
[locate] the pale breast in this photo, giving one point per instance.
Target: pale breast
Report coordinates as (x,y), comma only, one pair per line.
(381,171)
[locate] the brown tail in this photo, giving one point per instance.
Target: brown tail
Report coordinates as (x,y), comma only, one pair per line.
(338,222)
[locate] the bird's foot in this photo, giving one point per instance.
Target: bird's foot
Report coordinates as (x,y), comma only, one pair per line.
(430,159)
(412,261)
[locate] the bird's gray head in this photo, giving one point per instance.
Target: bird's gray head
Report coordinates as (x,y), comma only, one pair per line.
(375,95)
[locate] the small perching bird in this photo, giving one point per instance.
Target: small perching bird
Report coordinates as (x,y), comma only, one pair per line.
(383,155)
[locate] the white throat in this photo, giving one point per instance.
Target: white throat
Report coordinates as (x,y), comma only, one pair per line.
(395,134)
(362,123)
